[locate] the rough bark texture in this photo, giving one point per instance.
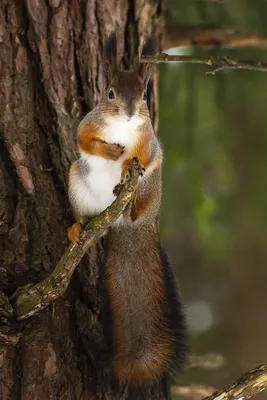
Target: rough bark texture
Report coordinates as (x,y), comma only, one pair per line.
(51,75)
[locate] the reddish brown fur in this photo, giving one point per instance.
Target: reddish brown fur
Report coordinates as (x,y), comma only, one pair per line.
(124,170)
(140,356)
(76,229)
(140,206)
(148,327)
(141,152)
(145,360)
(74,232)
(90,142)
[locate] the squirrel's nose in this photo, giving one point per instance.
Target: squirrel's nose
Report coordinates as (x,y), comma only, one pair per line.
(131,111)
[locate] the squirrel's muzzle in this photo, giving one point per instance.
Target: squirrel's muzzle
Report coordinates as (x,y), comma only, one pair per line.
(131,111)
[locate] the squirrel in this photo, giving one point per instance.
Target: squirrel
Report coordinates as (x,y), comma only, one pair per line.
(149,336)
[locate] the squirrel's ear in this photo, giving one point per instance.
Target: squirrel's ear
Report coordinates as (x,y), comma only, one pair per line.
(149,49)
(110,55)
(145,73)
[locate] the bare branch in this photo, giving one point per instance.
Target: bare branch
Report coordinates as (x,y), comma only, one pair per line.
(210,37)
(27,301)
(218,62)
(207,361)
(247,386)
(196,392)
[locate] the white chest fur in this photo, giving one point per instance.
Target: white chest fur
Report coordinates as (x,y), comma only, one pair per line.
(121,130)
(103,175)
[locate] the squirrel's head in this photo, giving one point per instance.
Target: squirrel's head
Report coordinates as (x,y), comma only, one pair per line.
(126,91)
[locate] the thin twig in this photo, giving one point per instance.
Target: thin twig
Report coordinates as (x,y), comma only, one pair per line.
(207,361)
(218,62)
(247,386)
(196,392)
(31,299)
(210,37)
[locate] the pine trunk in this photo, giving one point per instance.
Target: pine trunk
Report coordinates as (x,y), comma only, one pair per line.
(51,70)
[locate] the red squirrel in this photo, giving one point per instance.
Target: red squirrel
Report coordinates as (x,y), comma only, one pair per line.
(148,325)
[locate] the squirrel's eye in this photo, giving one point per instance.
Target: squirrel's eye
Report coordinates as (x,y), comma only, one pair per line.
(111,95)
(145,96)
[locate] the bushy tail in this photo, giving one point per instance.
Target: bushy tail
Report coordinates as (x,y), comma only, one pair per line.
(148,325)
(140,370)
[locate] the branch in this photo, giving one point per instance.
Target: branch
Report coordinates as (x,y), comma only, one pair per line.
(28,300)
(218,62)
(248,385)
(210,37)
(207,361)
(196,392)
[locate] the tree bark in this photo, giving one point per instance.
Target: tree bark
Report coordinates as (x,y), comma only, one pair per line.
(51,75)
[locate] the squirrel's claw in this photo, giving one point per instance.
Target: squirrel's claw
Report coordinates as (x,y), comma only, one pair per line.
(117,189)
(142,171)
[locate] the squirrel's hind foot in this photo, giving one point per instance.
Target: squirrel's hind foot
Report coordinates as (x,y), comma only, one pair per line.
(75,231)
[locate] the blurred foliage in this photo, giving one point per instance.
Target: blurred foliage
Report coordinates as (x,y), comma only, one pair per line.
(214,218)
(244,14)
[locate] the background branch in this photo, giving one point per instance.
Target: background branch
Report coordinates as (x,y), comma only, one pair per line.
(209,37)
(248,385)
(218,62)
(195,392)
(32,298)
(207,361)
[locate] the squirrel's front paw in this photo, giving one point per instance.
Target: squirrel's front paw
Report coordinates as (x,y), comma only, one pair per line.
(117,189)
(74,232)
(116,149)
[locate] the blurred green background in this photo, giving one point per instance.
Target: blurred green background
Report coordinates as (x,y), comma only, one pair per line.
(214,215)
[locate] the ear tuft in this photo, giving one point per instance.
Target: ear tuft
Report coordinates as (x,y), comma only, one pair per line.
(110,55)
(149,49)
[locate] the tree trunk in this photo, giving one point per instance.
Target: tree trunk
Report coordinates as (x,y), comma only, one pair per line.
(51,75)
